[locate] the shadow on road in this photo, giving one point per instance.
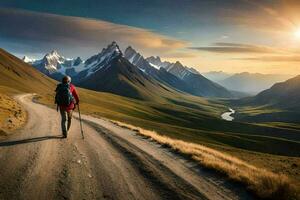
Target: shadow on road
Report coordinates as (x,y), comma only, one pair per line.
(29,140)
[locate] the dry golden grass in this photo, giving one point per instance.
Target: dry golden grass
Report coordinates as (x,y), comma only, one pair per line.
(12,115)
(263,183)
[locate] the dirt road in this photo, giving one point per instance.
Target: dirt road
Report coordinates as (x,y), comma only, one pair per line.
(111,163)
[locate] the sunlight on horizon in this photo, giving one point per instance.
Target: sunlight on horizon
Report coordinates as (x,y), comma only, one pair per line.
(297,33)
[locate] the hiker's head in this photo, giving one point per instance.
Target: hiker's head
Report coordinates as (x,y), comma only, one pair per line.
(66,79)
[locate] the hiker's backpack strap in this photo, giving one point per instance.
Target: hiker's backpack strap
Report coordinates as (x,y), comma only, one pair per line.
(56,93)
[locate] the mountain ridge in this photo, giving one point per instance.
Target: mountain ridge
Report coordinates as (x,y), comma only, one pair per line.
(194,82)
(251,83)
(174,76)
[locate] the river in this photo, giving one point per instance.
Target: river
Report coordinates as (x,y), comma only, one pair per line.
(227,115)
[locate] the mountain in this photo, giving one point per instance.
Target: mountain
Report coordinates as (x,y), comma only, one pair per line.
(19,77)
(216,76)
(158,73)
(176,68)
(198,84)
(251,83)
(173,76)
(283,95)
(27,59)
(280,103)
(110,72)
(56,66)
(157,63)
(107,71)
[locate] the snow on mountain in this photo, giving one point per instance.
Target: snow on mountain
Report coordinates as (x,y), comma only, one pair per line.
(53,64)
(96,62)
(56,66)
(133,57)
(138,60)
(155,66)
(176,68)
(27,59)
(156,61)
(87,73)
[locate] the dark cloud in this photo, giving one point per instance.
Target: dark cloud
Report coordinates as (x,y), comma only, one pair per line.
(74,35)
(236,48)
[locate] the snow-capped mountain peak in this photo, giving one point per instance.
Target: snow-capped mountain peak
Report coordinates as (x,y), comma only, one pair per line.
(102,59)
(77,61)
(27,59)
(113,47)
(138,60)
(53,58)
(55,65)
(132,56)
(176,68)
(156,61)
(107,54)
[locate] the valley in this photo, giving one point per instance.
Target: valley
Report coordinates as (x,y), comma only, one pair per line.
(150,100)
(170,112)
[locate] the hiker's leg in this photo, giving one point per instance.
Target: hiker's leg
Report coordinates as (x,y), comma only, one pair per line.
(70,113)
(63,114)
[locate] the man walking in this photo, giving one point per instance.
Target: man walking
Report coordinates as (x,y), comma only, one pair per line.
(66,97)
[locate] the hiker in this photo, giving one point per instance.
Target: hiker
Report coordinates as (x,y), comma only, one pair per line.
(66,99)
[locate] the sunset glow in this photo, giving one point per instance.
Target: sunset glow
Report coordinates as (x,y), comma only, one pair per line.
(297,33)
(254,36)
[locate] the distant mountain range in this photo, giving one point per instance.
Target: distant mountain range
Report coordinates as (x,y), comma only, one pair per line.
(216,76)
(55,65)
(284,95)
(176,75)
(280,103)
(128,75)
(251,83)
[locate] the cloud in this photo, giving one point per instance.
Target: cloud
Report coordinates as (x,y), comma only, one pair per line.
(82,36)
(178,55)
(223,37)
(284,58)
(222,47)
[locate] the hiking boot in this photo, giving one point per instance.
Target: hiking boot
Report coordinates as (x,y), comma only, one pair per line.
(65,134)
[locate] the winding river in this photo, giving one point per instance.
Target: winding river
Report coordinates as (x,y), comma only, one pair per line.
(227,115)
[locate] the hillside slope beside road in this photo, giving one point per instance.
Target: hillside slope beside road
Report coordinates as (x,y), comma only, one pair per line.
(111,163)
(17,76)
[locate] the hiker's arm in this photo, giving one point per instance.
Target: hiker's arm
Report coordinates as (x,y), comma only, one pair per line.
(74,93)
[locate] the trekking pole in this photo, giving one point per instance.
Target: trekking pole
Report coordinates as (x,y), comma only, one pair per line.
(80,122)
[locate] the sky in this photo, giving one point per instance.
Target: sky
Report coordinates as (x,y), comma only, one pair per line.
(233,36)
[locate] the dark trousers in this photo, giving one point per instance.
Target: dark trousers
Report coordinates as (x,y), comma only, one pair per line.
(66,117)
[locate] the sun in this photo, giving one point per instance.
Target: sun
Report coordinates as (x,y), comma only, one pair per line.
(297,33)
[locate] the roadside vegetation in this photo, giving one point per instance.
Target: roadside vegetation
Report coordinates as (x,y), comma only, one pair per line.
(185,118)
(12,115)
(263,183)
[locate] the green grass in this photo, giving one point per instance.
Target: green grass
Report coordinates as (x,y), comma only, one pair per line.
(180,116)
(192,119)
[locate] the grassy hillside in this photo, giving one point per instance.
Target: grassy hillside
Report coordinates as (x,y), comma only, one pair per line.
(181,116)
(280,103)
(17,77)
(285,95)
